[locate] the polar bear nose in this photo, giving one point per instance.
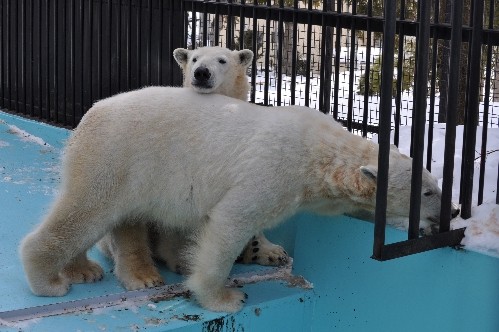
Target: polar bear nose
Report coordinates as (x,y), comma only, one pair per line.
(454,210)
(455,213)
(202,74)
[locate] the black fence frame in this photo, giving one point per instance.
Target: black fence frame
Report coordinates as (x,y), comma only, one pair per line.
(57,57)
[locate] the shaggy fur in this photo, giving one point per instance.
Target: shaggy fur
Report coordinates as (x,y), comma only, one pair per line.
(226,170)
(128,245)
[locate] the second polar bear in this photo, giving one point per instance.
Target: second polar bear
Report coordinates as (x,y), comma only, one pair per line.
(133,246)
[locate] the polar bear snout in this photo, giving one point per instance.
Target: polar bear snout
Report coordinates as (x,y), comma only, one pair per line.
(454,210)
(202,78)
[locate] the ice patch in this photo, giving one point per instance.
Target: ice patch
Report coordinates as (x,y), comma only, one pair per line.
(27,137)
(482,229)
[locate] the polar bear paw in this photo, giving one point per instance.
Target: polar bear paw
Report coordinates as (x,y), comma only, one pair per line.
(263,252)
(56,286)
(225,300)
(139,279)
(83,271)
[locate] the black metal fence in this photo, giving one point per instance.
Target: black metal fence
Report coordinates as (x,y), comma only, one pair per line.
(58,56)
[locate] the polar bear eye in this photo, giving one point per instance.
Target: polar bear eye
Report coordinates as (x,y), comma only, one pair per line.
(428,193)
(194,59)
(222,61)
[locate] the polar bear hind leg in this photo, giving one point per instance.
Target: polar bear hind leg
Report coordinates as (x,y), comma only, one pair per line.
(54,254)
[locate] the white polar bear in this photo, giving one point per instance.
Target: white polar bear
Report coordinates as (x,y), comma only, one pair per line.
(227,170)
(132,246)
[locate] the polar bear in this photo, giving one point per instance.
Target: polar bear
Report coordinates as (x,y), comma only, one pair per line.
(225,170)
(133,247)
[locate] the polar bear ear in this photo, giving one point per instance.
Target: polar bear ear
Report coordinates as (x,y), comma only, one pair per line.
(181,55)
(245,57)
(370,171)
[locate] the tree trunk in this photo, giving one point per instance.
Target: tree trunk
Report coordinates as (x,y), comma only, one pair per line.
(443,58)
(444,54)
(495,79)
(287,48)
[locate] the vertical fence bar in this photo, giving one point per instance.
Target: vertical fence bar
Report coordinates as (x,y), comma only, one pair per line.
(400,76)
(205,26)
(2,80)
(429,146)
(23,75)
(193,26)
(279,52)
(267,54)
(64,50)
(241,26)
(367,75)
(452,101)
(254,47)
(32,59)
(217,23)
(337,50)
(488,66)
(229,38)
(129,47)
(55,59)
(72,81)
(308,55)
(119,54)
(81,15)
(39,77)
(293,55)
(421,84)
(149,43)
(15,57)
(351,69)
(384,126)
(472,109)
(8,54)
(325,67)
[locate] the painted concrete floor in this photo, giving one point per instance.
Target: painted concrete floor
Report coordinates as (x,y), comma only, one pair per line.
(441,290)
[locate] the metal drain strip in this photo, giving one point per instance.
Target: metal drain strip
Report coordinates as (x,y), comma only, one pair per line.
(138,297)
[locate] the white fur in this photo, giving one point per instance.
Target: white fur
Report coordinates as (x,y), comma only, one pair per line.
(226,169)
(129,245)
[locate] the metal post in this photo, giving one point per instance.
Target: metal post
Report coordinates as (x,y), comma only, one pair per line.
(384,127)
(450,133)
(419,120)
(472,109)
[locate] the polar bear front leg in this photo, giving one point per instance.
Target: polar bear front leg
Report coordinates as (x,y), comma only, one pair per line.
(212,257)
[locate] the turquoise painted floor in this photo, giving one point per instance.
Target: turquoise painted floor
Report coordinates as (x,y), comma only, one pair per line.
(441,290)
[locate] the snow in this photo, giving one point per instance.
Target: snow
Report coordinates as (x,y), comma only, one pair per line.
(482,229)
(482,233)
(27,137)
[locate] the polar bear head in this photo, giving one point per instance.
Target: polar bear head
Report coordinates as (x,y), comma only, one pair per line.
(399,189)
(215,70)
